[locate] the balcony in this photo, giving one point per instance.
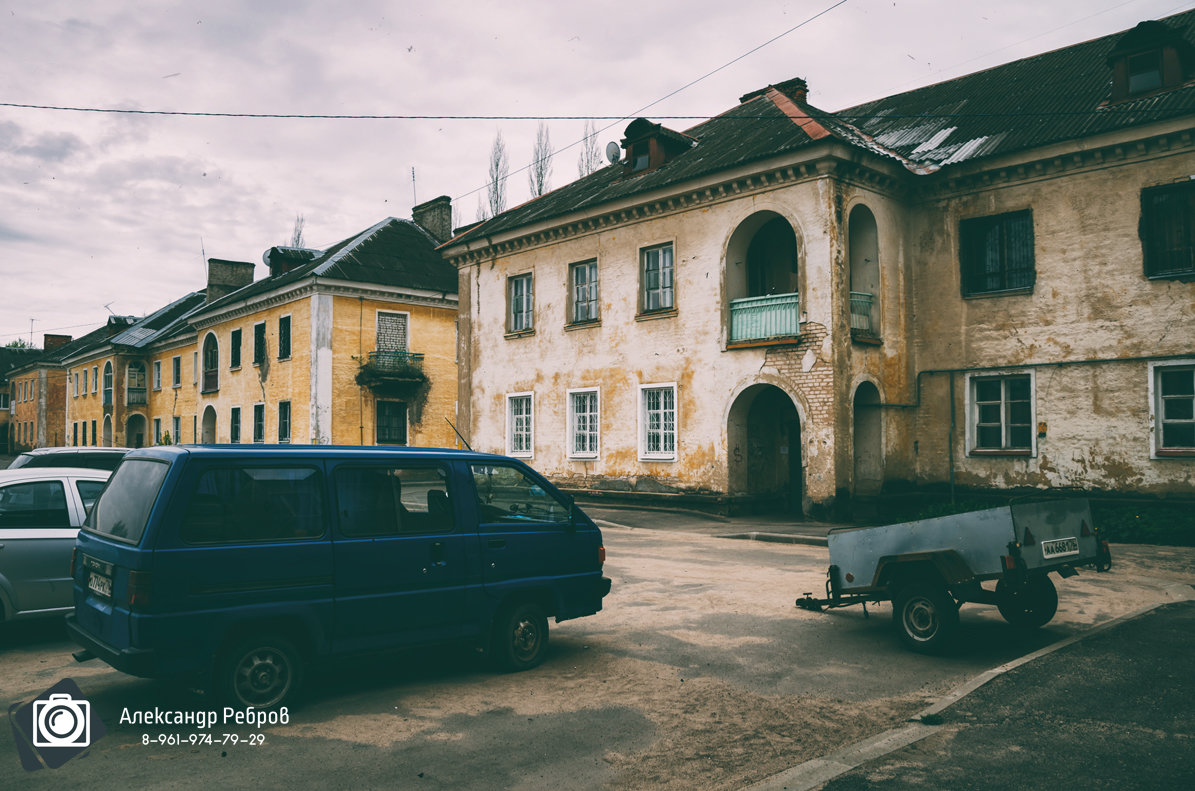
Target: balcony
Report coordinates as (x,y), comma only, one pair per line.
(862,325)
(764,318)
(135,396)
(392,373)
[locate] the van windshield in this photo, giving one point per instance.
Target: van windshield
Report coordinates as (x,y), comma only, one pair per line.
(123,509)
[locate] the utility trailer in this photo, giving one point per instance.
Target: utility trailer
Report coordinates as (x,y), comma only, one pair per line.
(929,567)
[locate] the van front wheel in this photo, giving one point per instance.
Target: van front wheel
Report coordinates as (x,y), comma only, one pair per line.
(520,637)
(262,672)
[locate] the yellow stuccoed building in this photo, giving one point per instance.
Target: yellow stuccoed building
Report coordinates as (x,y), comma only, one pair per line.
(355,344)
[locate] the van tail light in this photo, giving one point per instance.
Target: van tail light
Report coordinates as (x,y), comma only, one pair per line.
(139,590)
(601,556)
(74,557)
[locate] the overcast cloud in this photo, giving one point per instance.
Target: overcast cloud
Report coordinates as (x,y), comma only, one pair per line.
(114,209)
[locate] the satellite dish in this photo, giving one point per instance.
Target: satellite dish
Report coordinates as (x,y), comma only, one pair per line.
(613,152)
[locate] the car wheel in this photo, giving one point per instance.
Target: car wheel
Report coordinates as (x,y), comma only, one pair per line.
(1028,603)
(262,672)
(520,637)
(926,618)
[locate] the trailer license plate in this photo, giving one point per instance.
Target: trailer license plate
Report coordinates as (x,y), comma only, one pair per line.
(100,584)
(1059,547)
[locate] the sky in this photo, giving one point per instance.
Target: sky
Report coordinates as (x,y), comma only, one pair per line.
(116,213)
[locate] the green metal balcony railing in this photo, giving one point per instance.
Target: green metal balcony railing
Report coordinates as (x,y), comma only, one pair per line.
(764,318)
(396,363)
(861,321)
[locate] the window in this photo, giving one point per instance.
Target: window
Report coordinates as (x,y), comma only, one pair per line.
(194,368)
(75,433)
(259,343)
(84,432)
(177,430)
(37,504)
(176,371)
(259,422)
(391,423)
(108,384)
(3,400)
(284,338)
(584,292)
(157,431)
(234,345)
(1145,71)
(1168,230)
(1001,414)
(391,332)
(234,425)
(387,501)
(75,394)
(211,364)
(655,278)
(506,494)
(519,427)
(134,380)
(1174,408)
(996,253)
(157,374)
(583,423)
(95,440)
(237,505)
(284,421)
(95,378)
(520,299)
(84,381)
(657,422)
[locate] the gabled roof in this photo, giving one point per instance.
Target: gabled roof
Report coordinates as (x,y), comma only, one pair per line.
(1054,97)
(394,253)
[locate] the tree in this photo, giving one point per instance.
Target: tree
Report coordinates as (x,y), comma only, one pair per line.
(590,158)
(18,344)
(499,170)
(540,173)
(296,237)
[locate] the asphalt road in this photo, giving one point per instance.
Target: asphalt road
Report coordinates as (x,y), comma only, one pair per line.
(698,673)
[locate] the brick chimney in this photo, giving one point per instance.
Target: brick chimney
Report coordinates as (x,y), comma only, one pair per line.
(50,342)
(225,277)
(435,217)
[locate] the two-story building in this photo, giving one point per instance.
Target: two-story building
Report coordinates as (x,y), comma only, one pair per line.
(985,282)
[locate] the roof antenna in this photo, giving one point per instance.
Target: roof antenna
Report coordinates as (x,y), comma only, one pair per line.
(414,197)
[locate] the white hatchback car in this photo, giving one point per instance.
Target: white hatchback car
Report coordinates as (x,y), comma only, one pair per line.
(41,510)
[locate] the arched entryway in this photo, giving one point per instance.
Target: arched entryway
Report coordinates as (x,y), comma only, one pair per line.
(209,425)
(764,443)
(107,418)
(134,431)
(868,440)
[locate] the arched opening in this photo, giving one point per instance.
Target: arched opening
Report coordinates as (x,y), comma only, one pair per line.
(209,425)
(108,389)
(134,431)
(211,364)
(863,250)
(868,441)
(107,418)
(764,442)
(763,279)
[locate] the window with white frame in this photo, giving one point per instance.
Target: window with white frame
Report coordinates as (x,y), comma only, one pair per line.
(95,378)
(176,426)
(584,421)
(259,422)
(1173,408)
(84,381)
(655,279)
(520,300)
(583,291)
(284,421)
(75,394)
(657,422)
(520,434)
(157,374)
(176,371)
(1001,413)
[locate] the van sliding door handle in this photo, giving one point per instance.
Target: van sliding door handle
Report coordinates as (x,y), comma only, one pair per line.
(497,543)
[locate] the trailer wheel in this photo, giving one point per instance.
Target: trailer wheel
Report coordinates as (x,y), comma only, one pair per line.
(1028,603)
(925,617)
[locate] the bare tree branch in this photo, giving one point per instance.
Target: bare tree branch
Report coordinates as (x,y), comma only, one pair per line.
(539,174)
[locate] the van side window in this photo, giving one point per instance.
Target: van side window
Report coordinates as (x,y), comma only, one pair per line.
(505,494)
(247,504)
(389,501)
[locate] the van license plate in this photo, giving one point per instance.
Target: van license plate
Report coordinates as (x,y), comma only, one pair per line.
(99,584)
(1059,547)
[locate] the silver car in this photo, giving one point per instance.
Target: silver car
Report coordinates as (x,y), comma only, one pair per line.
(41,510)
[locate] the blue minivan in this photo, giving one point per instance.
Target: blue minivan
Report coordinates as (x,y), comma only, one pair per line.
(240,564)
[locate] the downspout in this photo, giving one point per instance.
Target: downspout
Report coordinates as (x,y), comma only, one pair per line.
(950,440)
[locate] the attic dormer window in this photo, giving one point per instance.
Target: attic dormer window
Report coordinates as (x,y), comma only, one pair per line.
(1145,71)
(640,157)
(649,145)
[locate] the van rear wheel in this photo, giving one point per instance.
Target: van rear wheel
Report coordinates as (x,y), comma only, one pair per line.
(262,672)
(520,637)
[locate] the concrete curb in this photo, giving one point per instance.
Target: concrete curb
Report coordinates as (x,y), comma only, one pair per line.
(818,771)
